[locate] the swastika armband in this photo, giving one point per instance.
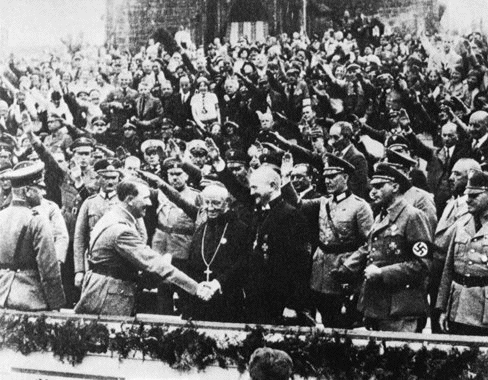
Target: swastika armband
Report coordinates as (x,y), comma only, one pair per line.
(422,249)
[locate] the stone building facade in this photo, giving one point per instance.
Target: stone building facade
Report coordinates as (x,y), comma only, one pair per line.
(131,22)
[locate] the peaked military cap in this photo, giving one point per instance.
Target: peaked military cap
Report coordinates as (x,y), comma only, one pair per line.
(151,143)
(397,140)
(26,173)
(129,125)
(172,163)
(335,165)
(402,160)
(233,155)
(82,142)
(197,146)
(385,172)
(105,166)
(477,182)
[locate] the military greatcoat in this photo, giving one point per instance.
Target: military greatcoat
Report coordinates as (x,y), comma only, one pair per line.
(30,278)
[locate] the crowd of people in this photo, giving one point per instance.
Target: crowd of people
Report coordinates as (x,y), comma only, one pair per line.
(338,179)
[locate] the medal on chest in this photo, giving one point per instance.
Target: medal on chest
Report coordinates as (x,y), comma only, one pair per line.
(262,247)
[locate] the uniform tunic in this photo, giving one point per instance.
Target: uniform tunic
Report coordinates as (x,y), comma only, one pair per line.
(466,261)
(175,228)
(118,251)
(30,278)
(401,292)
(346,230)
(90,213)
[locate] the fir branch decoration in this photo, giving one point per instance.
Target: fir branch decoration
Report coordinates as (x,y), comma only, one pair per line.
(315,354)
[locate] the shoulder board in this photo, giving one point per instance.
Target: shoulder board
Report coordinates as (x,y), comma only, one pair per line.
(194,190)
(92,196)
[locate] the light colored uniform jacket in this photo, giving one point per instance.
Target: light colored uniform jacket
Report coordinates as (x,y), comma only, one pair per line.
(467,256)
(118,246)
(352,219)
(30,278)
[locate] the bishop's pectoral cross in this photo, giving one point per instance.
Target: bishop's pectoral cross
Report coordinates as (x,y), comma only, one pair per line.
(208,272)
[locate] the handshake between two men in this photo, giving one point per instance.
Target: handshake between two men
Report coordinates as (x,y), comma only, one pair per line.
(207,289)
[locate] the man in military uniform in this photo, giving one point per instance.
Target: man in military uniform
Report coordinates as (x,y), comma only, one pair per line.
(91,211)
(29,271)
(462,298)
(395,261)
(153,151)
(82,149)
(456,208)
(415,196)
(5,185)
(175,229)
(343,221)
(118,251)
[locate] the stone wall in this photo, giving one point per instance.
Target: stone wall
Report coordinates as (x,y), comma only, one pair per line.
(131,22)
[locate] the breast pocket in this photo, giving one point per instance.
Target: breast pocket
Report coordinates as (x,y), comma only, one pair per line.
(460,245)
(392,245)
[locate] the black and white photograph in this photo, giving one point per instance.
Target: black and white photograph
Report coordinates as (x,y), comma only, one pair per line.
(243,189)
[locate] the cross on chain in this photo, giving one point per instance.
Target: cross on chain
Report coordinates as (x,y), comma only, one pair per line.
(208,272)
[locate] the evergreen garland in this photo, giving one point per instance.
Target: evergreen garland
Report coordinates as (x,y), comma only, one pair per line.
(315,354)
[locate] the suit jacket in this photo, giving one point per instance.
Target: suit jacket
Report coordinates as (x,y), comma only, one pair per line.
(358,181)
(480,154)
(117,116)
(182,110)
(27,248)
(149,111)
(438,167)
(118,247)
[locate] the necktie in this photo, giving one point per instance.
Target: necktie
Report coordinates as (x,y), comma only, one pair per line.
(142,105)
(448,158)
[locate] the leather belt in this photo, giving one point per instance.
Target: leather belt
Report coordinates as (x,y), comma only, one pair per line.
(117,273)
(15,268)
(177,230)
(470,281)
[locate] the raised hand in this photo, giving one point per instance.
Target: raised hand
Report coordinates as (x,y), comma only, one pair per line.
(286,164)
(213,150)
